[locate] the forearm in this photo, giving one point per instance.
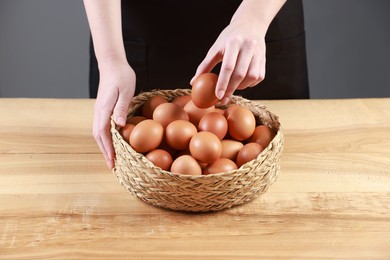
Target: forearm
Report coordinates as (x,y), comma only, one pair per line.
(104,17)
(258,12)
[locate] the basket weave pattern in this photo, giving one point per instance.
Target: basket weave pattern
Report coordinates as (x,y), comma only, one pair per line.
(197,193)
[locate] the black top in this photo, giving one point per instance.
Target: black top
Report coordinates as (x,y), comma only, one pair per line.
(165,41)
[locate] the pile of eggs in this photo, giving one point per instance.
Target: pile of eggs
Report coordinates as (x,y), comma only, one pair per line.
(189,135)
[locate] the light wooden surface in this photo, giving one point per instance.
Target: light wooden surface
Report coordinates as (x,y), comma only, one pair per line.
(331,200)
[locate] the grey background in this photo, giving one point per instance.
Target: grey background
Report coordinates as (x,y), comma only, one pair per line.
(44,48)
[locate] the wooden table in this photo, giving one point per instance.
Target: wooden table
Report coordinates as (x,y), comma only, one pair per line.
(331,200)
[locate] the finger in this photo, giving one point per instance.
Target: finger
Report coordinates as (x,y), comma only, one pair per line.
(253,74)
(238,74)
(102,131)
(228,65)
(212,58)
(228,94)
(108,147)
(105,154)
(97,134)
(262,74)
(225,100)
(120,110)
(104,125)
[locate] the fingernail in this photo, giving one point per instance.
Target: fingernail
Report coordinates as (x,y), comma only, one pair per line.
(225,101)
(110,164)
(192,80)
(220,94)
(121,121)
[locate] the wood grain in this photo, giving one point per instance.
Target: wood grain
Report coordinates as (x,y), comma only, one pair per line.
(46,126)
(331,201)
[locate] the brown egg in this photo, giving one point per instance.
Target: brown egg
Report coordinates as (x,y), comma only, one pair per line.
(247,153)
(230,149)
(205,147)
(186,164)
(146,136)
(242,123)
(228,110)
(195,113)
(126,131)
(160,158)
(262,135)
(135,120)
(179,133)
(169,112)
(203,90)
(150,105)
(215,123)
(220,165)
(181,100)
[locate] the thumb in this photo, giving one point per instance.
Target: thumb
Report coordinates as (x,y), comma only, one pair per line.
(120,110)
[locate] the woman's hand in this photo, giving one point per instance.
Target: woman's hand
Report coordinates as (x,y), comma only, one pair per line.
(116,89)
(117,78)
(241,48)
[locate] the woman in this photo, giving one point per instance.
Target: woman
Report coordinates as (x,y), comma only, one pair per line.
(141,45)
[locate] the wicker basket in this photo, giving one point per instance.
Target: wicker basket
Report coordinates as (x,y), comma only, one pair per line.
(197,193)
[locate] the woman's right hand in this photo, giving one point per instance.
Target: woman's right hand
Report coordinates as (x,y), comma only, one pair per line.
(116,89)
